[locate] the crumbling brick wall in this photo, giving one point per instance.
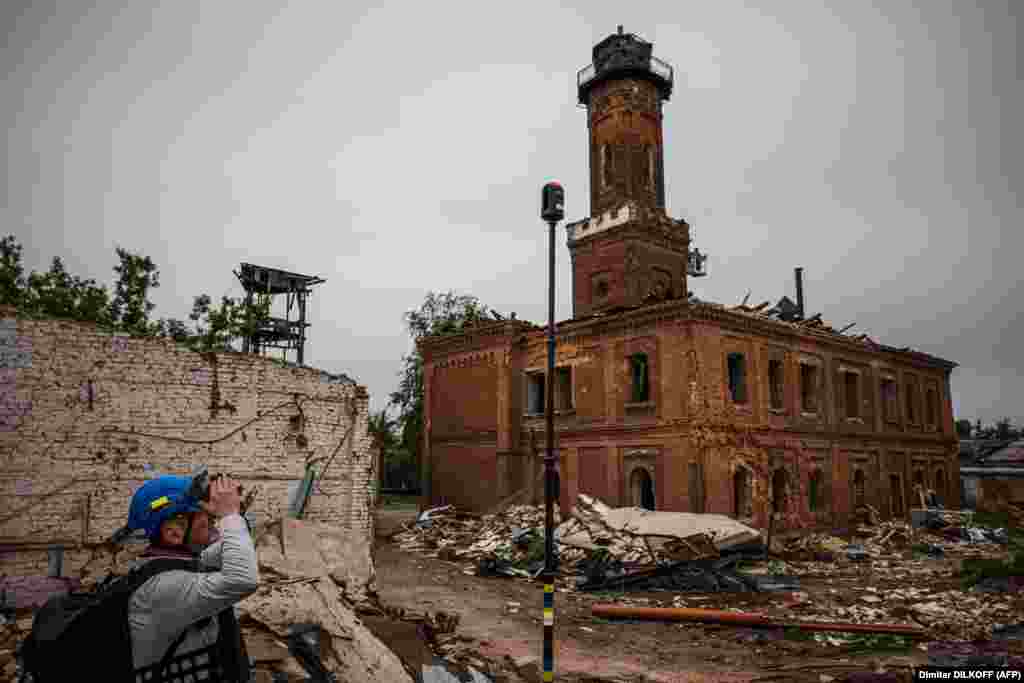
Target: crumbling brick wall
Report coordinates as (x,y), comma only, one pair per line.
(86,417)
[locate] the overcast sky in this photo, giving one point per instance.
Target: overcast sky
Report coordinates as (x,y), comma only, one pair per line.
(400,148)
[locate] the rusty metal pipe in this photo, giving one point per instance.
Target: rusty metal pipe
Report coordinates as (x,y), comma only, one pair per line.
(743,619)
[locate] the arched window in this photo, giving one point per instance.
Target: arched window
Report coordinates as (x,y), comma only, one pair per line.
(606,166)
(780,486)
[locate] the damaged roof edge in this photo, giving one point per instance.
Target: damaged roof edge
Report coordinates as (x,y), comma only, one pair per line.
(692,310)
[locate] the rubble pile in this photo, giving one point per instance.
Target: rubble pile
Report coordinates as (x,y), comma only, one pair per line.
(602,545)
(314,574)
(511,539)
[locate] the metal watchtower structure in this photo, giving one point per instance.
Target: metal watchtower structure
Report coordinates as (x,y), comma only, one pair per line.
(262,284)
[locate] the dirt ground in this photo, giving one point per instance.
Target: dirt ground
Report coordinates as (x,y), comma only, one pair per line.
(500,619)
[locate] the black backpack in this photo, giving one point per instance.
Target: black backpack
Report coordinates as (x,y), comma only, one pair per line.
(85,633)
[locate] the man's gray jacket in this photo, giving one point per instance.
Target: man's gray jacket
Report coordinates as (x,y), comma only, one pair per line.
(174,600)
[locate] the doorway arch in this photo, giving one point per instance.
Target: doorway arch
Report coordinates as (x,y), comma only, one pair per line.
(859,494)
(641,486)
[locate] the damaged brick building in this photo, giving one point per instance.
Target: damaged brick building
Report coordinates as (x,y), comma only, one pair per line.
(668,402)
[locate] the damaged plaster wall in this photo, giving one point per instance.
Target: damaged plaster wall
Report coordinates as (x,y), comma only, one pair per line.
(86,417)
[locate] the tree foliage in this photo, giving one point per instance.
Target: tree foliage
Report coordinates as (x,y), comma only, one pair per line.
(964,428)
(136,277)
(440,313)
(217,327)
(59,294)
(399,465)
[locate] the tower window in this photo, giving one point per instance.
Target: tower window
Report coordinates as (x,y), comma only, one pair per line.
(737,377)
(606,165)
(931,405)
(652,164)
(641,380)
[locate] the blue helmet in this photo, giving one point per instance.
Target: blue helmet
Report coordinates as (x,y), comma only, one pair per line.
(158,500)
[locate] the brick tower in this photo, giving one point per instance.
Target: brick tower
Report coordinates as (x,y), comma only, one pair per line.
(629,251)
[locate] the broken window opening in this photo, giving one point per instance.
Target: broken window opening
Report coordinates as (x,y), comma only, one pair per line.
(696,473)
(780,485)
(563,388)
(814,493)
(535,393)
(858,489)
(809,387)
(850,384)
(641,381)
(642,487)
(890,400)
(775,384)
(737,377)
(896,493)
(742,505)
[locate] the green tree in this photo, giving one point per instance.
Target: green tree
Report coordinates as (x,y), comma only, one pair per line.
(963,429)
(218,327)
(12,273)
(440,313)
(58,294)
(398,465)
(137,275)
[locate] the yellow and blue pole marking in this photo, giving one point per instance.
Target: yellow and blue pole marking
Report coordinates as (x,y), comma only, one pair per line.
(549,630)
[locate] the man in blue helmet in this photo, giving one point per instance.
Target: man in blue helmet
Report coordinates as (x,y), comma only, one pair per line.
(186,612)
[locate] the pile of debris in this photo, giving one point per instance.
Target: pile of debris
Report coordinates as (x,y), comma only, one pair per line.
(314,580)
(508,543)
(314,577)
(602,545)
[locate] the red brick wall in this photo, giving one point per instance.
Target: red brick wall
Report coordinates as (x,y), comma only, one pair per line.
(100,414)
(593,472)
(465,399)
(464,475)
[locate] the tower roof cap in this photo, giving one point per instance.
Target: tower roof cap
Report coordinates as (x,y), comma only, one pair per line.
(620,55)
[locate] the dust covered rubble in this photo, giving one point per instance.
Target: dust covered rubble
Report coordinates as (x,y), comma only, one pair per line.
(314,573)
(514,537)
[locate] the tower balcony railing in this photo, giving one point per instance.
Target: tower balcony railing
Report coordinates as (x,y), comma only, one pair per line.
(653,65)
